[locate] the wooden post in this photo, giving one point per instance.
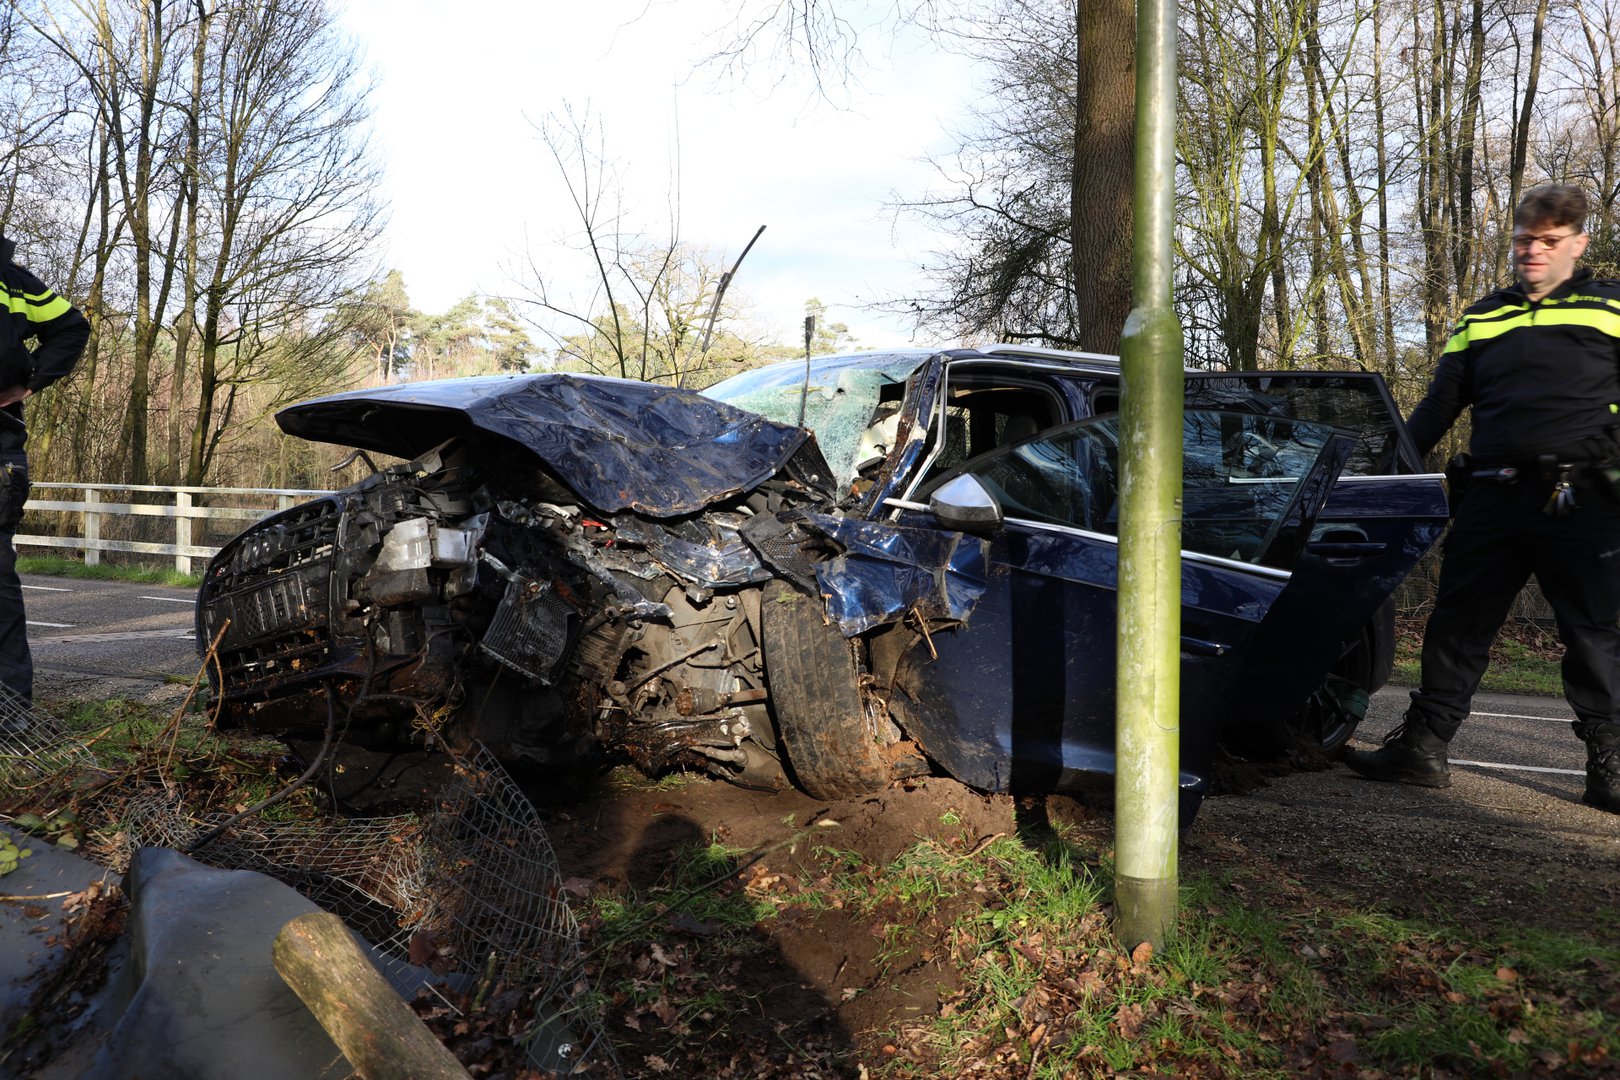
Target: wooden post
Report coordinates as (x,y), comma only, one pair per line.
(317,956)
(182,530)
(92,527)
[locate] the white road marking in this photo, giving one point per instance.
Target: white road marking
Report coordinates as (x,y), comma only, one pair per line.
(1518,768)
(127,635)
(46,588)
(57,625)
(169,599)
(1525,716)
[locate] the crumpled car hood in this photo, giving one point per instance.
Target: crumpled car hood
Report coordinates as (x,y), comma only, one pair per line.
(618,444)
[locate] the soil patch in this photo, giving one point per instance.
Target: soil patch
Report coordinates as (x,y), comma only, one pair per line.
(1486,855)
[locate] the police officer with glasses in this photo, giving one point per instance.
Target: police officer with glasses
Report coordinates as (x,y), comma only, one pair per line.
(1538,366)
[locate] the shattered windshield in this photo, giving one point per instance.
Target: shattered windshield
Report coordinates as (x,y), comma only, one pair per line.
(843,401)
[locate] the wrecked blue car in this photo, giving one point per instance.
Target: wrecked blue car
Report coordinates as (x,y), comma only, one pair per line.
(830,574)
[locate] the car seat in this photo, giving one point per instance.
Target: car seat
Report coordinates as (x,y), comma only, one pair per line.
(1017,426)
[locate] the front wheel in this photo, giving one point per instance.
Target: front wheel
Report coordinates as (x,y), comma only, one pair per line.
(830,744)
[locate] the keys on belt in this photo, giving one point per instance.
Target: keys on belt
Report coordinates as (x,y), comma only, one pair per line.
(1560,501)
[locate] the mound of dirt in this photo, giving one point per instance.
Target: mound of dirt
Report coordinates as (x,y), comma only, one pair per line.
(1486,854)
(823,964)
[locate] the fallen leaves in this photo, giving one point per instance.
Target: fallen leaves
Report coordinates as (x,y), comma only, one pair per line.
(1286,977)
(1128,1021)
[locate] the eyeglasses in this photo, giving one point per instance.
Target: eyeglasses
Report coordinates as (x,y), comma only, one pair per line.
(1550,242)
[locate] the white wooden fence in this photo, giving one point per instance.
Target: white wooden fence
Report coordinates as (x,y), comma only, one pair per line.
(93,509)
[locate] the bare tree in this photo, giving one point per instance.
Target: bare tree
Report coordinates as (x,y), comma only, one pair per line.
(1005,200)
(286,202)
(128,59)
(822,36)
(1596,158)
(643,316)
(1526,105)
(53,153)
(236,208)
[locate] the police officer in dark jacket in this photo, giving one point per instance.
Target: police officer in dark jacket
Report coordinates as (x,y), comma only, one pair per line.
(1538,365)
(31,312)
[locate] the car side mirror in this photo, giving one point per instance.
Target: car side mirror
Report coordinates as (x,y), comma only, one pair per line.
(966,505)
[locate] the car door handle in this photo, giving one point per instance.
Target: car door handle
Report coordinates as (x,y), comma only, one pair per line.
(1346,550)
(1200,647)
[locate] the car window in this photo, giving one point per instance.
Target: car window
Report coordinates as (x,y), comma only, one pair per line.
(1357,402)
(1240,472)
(982,411)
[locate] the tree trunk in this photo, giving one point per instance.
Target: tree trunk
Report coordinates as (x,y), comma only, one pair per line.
(1356,304)
(185,323)
(1387,327)
(1521,131)
(1466,242)
(1104,169)
(1268,249)
(1436,291)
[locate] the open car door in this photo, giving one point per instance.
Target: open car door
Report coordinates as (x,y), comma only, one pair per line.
(1317,656)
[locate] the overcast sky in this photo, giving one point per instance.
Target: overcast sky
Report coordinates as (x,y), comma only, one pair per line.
(473,192)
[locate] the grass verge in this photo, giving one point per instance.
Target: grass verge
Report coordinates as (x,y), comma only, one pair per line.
(60,566)
(982,956)
(1525,658)
(1013,940)
(133,747)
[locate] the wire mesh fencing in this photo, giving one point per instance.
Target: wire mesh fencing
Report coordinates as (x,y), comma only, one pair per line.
(1414,597)
(468,887)
(34,745)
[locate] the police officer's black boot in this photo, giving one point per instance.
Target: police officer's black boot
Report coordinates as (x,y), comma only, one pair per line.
(1411,754)
(1603,769)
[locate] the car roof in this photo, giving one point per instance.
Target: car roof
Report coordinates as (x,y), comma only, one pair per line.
(1089,361)
(898,364)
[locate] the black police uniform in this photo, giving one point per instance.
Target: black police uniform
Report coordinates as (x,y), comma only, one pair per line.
(27,310)
(1542,380)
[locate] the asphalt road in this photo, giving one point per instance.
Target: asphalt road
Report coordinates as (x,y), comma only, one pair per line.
(110,638)
(1524,740)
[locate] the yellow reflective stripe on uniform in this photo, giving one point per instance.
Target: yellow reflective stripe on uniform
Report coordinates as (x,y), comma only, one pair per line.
(1605,318)
(1486,325)
(1589,311)
(42,307)
(1485,330)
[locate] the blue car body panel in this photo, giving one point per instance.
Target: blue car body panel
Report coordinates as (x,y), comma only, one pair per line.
(1022,698)
(1020,695)
(885,571)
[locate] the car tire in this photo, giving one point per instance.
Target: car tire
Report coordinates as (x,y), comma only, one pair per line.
(1327,719)
(829,744)
(1333,712)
